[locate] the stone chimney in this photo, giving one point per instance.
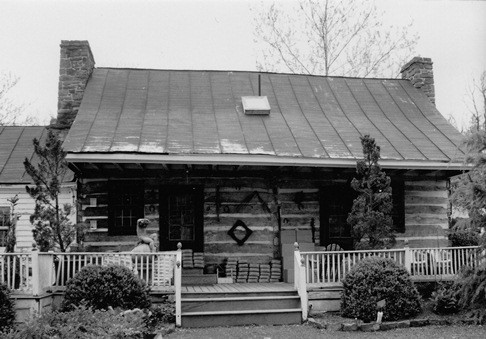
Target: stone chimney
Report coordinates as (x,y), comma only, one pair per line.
(420,73)
(77,64)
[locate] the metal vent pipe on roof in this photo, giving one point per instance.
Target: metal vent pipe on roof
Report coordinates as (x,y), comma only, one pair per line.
(259,85)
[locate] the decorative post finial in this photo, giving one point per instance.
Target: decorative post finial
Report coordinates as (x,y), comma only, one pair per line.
(296,246)
(179,246)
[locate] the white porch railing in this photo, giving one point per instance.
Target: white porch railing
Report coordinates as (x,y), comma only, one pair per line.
(332,267)
(155,269)
(16,271)
(324,268)
(437,263)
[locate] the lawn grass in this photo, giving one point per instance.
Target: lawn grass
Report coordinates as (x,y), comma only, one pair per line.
(310,332)
(333,321)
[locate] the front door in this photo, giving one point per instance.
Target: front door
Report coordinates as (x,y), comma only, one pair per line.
(181,217)
(335,204)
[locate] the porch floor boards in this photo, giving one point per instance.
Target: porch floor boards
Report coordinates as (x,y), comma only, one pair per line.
(239,288)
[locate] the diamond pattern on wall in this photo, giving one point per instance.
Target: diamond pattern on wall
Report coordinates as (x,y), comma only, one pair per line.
(232,234)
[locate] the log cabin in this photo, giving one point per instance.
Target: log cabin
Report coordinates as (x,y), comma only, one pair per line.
(241,165)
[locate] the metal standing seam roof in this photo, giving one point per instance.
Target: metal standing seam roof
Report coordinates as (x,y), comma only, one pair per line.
(16,145)
(168,112)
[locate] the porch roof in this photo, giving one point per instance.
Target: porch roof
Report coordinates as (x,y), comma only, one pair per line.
(170,116)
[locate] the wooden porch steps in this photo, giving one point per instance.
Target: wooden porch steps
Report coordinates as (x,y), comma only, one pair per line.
(240,304)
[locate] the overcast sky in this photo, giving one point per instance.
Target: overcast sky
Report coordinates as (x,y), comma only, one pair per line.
(211,35)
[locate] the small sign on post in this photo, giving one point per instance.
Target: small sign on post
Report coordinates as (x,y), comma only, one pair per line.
(380,305)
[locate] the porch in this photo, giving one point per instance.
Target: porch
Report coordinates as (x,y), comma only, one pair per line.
(40,278)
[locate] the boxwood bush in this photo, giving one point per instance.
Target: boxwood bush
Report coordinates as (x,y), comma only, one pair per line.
(7,310)
(374,279)
(102,286)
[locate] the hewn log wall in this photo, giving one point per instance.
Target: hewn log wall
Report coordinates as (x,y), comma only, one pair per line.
(226,200)
(426,220)
(255,201)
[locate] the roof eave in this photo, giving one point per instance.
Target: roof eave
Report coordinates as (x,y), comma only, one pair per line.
(255,160)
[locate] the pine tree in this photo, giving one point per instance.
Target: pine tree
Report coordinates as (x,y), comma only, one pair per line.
(12,225)
(371,215)
(52,227)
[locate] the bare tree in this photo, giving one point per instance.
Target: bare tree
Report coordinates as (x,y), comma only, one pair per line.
(331,37)
(477,104)
(469,189)
(10,112)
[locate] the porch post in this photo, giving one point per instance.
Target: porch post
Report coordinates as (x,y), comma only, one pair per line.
(300,283)
(408,257)
(177,283)
(296,265)
(35,271)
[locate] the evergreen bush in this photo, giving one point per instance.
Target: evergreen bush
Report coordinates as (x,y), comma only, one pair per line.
(446,299)
(103,286)
(374,279)
(371,215)
(464,234)
(82,323)
(160,315)
(472,290)
(7,310)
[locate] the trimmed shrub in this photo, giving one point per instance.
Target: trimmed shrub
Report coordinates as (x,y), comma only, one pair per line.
(445,299)
(82,323)
(374,279)
(102,286)
(7,310)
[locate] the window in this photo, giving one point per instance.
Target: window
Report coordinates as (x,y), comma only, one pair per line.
(125,206)
(181,217)
(335,204)
(4,224)
(398,213)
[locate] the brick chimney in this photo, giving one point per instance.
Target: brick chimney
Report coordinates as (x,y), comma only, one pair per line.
(420,73)
(77,64)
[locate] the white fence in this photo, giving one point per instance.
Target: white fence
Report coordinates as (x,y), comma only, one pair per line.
(324,268)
